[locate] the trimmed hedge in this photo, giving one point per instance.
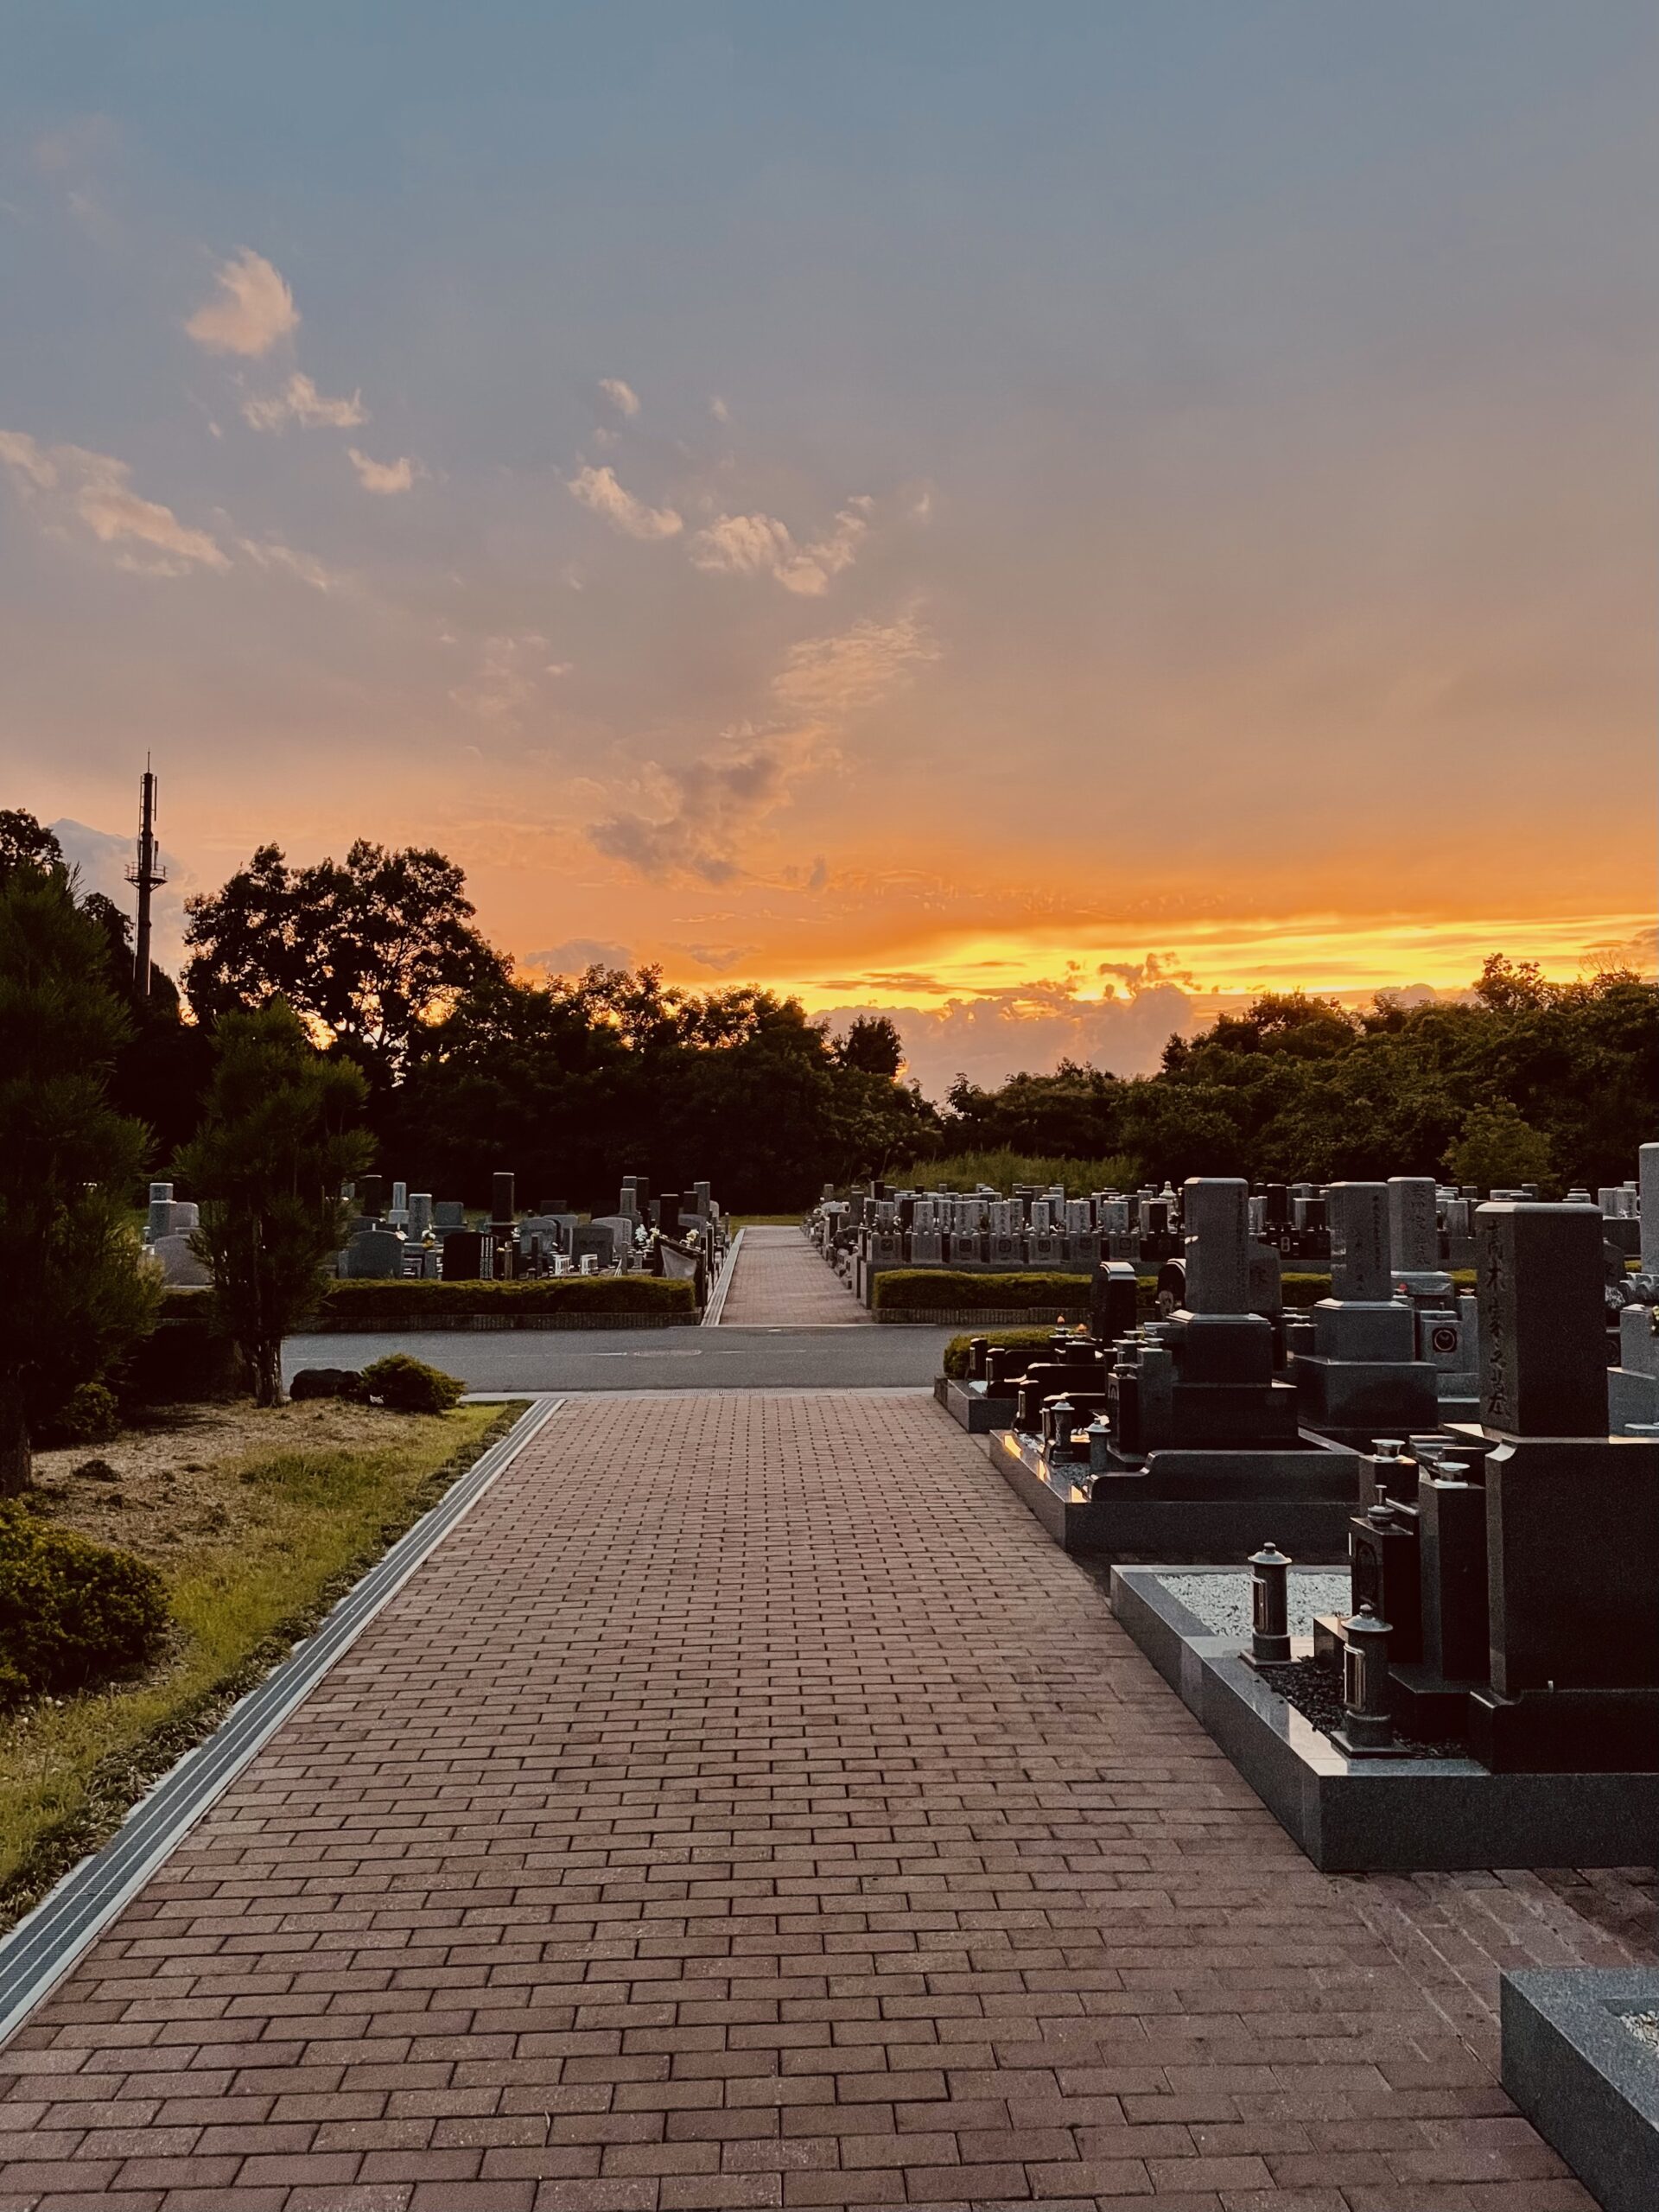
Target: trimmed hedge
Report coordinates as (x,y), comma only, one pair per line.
(955,1352)
(922,1290)
(72,1612)
(409,1301)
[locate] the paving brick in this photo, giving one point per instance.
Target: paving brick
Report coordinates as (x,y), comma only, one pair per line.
(747,1805)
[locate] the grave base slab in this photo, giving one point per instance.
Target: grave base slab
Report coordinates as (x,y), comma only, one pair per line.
(976,1409)
(1375,1816)
(1582,2079)
(1207,1523)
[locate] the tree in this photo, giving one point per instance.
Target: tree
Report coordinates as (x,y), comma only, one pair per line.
(266,1166)
(25,843)
(74,1295)
(1498,1151)
(369,949)
(871,1045)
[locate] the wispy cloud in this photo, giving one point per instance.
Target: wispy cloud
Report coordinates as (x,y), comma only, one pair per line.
(698,817)
(598,488)
(721,959)
(272,553)
(754,545)
(69,485)
(622,397)
(385,477)
(706,809)
(505,677)
(851,670)
(254,308)
(299,401)
(578,954)
(719,409)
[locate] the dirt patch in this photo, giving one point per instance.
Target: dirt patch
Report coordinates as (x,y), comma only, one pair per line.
(170,1488)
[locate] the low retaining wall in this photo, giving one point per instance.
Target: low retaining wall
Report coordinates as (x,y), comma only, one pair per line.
(419,1324)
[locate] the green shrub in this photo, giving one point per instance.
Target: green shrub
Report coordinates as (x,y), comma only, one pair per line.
(933,1290)
(72,1612)
(1300,1292)
(955,1352)
(91,1415)
(409,1386)
(396,1300)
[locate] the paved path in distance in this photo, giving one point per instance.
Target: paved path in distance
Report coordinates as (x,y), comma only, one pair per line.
(780,1281)
(748,1805)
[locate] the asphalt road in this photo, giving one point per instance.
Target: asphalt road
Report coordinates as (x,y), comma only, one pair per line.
(650,1359)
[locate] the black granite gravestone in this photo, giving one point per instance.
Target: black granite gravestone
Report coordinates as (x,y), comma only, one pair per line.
(1571,1514)
(464,1256)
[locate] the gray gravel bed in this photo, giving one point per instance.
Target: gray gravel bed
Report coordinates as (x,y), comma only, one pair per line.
(1222,1601)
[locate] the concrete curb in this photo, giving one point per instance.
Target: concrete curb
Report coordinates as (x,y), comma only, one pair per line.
(717,1305)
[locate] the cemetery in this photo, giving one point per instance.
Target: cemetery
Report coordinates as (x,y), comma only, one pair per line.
(411,1262)
(1485,1677)
(830,1107)
(662,1754)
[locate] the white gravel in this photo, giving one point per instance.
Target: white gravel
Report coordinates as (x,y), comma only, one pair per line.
(1222,1601)
(1644,2026)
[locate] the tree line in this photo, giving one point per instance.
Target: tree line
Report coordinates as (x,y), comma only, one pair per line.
(339,1016)
(1525,1080)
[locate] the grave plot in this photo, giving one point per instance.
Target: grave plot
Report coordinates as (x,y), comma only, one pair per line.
(1488,1694)
(1185,1432)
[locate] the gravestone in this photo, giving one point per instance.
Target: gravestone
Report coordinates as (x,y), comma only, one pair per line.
(1113,1299)
(449,1213)
(1217,1240)
(467,1256)
(420,1212)
(1571,1514)
(373,1255)
(593,1241)
(168,1216)
(180,1268)
(1648,1200)
(1414,1225)
(1444,1335)
(1538,1280)
(1358,1376)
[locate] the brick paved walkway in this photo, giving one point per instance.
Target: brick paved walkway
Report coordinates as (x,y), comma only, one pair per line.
(748,1805)
(780,1282)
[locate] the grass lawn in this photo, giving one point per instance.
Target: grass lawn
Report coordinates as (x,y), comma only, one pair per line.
(765,1220)
(259,1521)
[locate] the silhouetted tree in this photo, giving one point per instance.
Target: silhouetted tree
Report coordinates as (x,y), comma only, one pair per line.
(368,948)
(74,1293)
(25,843)
(275,1146)
(871,1045)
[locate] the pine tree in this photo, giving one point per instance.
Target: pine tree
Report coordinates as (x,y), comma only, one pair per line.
(266,1166)
(74,1295)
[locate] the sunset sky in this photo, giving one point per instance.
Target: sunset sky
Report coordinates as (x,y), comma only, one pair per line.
(1040,517)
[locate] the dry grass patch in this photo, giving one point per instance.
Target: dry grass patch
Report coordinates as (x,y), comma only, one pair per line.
(259,1521)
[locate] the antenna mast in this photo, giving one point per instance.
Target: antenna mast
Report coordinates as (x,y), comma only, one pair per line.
(147,874)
